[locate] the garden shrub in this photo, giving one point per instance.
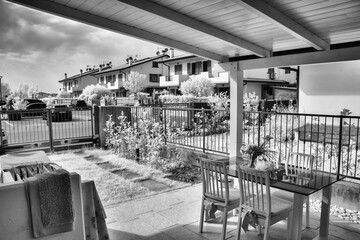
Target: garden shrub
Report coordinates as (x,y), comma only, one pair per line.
(197,85)
(124,138)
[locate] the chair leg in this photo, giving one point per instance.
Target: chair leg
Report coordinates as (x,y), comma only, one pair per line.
(239,225)
(307,212)
(202,212)
(224,221)
(266,231)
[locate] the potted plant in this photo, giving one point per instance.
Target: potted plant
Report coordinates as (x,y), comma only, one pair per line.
(260,152)
(17,105)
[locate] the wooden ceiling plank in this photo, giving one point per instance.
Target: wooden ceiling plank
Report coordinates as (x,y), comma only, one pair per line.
(87,18)
(179,18)
(275,16)
(337,55)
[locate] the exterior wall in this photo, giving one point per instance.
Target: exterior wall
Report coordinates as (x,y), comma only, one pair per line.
(81,82)
(279,74)
(328,88)
(253,87)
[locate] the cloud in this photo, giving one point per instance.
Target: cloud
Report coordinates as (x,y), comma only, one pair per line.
(37,48)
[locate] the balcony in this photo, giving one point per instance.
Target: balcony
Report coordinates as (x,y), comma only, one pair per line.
(221,79)
(116,85)
(175,80)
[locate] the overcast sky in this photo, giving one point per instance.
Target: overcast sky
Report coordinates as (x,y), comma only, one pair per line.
(37,48)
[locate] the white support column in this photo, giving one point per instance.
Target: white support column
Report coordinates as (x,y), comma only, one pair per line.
(236,109)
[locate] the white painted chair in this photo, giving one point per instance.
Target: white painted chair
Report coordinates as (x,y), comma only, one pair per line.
(255,197)
(298,167)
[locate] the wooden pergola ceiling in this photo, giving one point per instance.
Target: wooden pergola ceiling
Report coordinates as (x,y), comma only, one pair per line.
(249,31)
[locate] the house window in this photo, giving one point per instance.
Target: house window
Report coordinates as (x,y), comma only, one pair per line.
(121,77)
(206,66)
(112,83)
(154,77)
(195,68)
(155,64)
(110,79)
(65,86)
(102,79)
(178,69)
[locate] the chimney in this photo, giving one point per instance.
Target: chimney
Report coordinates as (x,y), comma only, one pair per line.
(171,53)
(130,60)
(65,75)
(81,71)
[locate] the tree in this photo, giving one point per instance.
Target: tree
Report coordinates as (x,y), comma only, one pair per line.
(198,86)
(135,82)
(5,90)
(22,91)
(94,91)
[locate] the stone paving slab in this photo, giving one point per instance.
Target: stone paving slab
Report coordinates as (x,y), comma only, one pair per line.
(175,215)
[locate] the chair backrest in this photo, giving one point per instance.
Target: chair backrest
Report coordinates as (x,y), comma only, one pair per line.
(215,179)
(254,190)
(299,165)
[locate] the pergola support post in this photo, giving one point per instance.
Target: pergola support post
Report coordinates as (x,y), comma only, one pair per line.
(236,109)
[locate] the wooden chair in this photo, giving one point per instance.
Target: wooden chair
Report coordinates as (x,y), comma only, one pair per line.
(298,167)
(255,197)
(216,193)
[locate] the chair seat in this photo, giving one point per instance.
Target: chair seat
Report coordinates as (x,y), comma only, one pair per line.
(234,196)
(278,205)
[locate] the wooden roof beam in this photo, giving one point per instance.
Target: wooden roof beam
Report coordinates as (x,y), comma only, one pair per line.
(266,11)
(318,57)
(168,14)
(87,18)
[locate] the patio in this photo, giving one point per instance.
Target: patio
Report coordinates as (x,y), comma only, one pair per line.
(170,216)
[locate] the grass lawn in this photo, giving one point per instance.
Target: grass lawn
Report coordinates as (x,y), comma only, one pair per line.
(116,179)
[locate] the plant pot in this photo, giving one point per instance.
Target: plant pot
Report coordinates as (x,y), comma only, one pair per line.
(14,116)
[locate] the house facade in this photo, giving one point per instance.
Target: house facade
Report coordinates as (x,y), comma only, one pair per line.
(266,83)
(272,83)
(74,85)
(182,67)
(113,78)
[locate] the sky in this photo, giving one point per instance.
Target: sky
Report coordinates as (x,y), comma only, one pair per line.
(37,48)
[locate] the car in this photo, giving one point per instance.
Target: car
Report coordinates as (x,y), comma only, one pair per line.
(78,104)
(59,113)
(34,104)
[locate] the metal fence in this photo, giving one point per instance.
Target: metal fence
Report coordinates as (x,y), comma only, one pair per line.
(333,140)
(46,128)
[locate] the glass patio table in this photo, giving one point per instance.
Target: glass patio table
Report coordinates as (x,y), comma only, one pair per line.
(301,187)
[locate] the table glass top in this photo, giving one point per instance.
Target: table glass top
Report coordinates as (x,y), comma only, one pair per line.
(304,185)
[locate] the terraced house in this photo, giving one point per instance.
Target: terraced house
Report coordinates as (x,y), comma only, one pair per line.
(113,77)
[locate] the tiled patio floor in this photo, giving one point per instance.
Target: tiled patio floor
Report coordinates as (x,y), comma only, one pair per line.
(174,215)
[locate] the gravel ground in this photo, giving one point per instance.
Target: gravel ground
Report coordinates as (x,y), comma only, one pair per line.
(343,213)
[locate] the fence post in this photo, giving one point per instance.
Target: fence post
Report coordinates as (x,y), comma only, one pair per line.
(203,115)
(164,122)
(340,147)
(49,121)
(259,118)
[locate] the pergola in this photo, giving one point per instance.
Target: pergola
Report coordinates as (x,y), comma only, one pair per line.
(245,34)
